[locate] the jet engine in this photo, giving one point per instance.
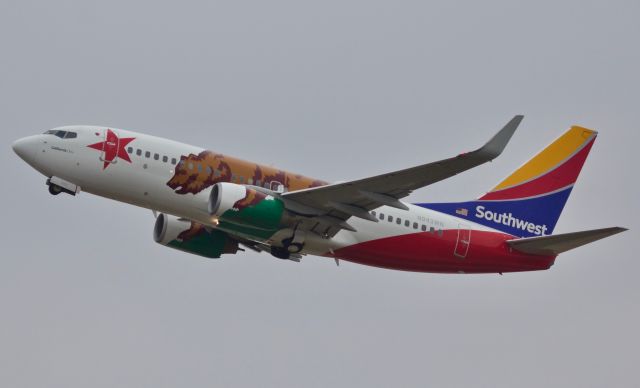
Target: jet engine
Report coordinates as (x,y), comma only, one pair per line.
(192,237)
(242,205)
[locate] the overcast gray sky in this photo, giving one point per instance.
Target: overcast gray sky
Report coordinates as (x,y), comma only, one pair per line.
(336,90)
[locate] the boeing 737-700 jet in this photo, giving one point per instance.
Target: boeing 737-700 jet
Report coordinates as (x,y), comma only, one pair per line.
(210,204)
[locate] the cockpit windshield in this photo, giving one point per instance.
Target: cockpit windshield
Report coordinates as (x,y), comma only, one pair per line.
(62,134)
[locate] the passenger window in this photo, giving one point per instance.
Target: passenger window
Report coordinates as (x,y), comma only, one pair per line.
(398,221)
(373,213)
(173,161)
(381,216)
(440,232)
(424,227)
(147,154)
(415,225)
(407,222)
(390,219)
(165,159)
(70,135)
(138,152)
(156,156)
(130,150)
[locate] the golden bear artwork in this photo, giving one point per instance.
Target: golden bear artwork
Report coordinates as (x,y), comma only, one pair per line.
(195,173)
(194,230)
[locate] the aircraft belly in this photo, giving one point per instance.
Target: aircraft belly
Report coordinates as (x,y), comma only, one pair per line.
(426,252)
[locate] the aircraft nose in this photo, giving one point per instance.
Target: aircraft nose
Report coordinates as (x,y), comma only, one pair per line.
(25,148)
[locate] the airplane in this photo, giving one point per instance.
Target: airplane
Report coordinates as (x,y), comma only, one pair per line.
(210,204)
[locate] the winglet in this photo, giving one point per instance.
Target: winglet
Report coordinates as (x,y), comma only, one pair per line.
(498,142)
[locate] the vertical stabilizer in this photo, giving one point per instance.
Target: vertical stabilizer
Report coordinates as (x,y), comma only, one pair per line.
(529,201)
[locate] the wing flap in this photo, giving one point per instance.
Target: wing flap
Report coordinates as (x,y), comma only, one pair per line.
(558,243)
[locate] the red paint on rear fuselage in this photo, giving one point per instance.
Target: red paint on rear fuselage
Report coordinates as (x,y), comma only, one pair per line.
(429,252)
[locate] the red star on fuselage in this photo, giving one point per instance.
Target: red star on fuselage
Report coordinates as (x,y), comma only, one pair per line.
(113,148)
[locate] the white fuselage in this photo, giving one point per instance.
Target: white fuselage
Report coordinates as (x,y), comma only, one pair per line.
(143,183)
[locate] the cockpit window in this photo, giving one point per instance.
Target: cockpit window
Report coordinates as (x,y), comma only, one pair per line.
(62,134)
(53,132)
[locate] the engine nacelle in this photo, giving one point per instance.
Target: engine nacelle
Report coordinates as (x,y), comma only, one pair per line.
(192,237)
(241,205)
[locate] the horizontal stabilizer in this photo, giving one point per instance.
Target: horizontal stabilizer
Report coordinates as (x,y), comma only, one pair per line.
(556,244)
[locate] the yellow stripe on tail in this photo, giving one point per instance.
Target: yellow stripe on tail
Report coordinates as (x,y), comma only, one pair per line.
(549,158)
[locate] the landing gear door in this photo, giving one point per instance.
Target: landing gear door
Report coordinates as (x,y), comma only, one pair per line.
(110,147)
(463,241)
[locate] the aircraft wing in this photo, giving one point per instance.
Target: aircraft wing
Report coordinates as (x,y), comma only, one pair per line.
(338,202)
